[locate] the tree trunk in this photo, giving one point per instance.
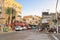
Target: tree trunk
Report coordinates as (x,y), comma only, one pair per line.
(8,19)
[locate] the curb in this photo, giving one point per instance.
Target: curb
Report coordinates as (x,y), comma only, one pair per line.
(7,32)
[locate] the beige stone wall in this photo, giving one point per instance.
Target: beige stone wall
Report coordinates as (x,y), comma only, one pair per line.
(9,3)
(33,19)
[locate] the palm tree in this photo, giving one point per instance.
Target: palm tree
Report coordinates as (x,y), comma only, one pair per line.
(11,14)
(8,12)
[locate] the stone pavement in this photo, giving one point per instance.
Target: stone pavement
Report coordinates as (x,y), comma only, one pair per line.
(25,35)
(38,36)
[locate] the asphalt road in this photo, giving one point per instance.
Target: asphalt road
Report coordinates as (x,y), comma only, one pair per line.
(58,36)
(51,37)
(54,36)
(24,35)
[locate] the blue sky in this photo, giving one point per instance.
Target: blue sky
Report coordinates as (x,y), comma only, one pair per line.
(36,7)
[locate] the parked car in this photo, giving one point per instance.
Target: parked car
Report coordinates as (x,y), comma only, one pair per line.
(28,27)
(24,28)
(24,25)
(18,28)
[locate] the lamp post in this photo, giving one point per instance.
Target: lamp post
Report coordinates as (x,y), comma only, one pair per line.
(57,16)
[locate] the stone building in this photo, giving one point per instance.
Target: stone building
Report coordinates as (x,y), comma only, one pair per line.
(34,20)
(50,19)
(9,4)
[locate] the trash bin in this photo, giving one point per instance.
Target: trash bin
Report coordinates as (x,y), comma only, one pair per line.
(5,29)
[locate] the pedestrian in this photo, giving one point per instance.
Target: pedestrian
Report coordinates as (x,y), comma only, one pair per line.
(38,27)
(47,28)
(55,30)
(51,30)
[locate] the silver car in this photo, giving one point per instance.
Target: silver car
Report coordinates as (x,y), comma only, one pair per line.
(18,28)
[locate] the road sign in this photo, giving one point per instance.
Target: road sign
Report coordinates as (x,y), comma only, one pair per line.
(44,21)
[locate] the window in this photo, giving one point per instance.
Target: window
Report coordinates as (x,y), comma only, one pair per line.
(19,16)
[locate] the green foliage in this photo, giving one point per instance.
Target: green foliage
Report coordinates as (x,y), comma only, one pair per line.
(8,11)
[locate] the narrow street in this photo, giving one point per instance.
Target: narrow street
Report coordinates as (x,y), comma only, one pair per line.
(25,35)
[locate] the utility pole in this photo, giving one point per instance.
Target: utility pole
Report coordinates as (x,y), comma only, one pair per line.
(57,16)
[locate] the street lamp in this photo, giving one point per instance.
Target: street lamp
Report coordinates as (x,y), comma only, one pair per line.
(57,16)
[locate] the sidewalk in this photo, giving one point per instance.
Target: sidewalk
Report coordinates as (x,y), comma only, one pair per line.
(6,32)
(9,30)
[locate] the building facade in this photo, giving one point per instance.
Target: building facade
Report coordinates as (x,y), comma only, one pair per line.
(9,4)
(34,20)
(50,19)
(2,14)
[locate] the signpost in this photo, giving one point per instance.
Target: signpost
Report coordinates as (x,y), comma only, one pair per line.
(44,21)
(57,16)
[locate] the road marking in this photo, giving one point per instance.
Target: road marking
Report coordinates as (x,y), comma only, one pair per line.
(55,37)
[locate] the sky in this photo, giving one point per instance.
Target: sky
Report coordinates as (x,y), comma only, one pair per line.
(36,7)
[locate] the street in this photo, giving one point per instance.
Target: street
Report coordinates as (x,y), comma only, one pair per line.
(20,19)
(24,35)
(56,36)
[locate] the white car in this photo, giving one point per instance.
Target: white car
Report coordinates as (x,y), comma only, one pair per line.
(18,28)
(24,28)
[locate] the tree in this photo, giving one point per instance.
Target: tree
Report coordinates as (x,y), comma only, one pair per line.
(11,14)
(8,12)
